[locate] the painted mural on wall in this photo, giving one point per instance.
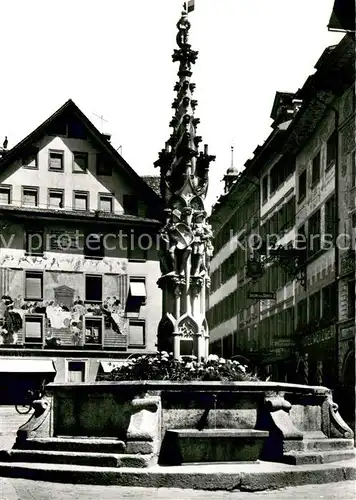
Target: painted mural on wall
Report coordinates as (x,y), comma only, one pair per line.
(59,317)
(74,263)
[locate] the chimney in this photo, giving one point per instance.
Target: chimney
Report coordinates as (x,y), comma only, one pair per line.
(107,137)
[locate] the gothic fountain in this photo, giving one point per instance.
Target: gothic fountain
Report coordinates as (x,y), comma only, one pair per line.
(248,434)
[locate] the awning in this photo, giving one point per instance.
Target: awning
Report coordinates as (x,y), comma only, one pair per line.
(137,289)
(109,366)
(16,365)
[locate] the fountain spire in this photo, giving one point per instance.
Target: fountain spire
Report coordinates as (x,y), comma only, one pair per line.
(185,240)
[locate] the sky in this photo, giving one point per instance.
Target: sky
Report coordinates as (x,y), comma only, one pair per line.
(113,58)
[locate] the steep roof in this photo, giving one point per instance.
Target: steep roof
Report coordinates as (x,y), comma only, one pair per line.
(70,107)
(154,181)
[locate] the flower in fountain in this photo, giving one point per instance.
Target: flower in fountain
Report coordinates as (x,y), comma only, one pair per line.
(163,366)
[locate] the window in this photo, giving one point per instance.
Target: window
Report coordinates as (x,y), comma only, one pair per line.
(302,186)
(137,294)
(274,178)
(130,203)
(302,313)
(34,241)
(76,371)
(93,288)
(137,246)
(330,302)
(34,285)
(81,201)
(331,150)
(103,165)
(265,189)
(80,162)
(93,328)
(94,246)
(137,333)
(56,160)
(314,307)
(5,195)
(330,217)
(34,328)
(29,159)
(30,196)
(55,198)
(316,169)
(280,173)
(314,236)
(351,298)
(105,203)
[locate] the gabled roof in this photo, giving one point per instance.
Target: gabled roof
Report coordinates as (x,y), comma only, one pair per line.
(154,181)
(150,194)
(343,16)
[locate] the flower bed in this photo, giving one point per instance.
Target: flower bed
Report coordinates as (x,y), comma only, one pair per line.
(163,366)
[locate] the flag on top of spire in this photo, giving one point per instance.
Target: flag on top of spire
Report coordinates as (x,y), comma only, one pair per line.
(189,6)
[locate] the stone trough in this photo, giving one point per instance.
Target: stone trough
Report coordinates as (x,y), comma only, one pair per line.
(150,424)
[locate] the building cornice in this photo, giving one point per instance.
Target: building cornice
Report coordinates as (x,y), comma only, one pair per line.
(76,216)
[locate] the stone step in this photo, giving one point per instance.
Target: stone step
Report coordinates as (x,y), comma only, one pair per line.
(211,445)
(234,477)
(220,433)
(76,458)
(97,445)
(317,457)
(328,444)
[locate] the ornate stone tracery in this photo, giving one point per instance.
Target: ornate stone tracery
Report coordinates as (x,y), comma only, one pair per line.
(185,240)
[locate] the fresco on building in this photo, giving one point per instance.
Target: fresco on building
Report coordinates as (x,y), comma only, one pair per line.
(59,319)
(74,263)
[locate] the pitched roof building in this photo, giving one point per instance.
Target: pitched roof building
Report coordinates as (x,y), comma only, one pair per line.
(78,259)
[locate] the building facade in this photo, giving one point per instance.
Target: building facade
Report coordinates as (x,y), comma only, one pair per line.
(302,327)
(78,255)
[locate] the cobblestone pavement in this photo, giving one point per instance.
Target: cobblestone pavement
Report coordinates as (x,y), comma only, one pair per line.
(22,489)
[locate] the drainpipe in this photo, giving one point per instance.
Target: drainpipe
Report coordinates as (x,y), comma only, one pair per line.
(336,231)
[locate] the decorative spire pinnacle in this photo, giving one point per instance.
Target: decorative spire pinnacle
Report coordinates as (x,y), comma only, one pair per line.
(181,160)
(185,244)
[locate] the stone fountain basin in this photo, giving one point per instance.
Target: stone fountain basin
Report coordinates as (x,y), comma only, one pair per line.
(186,422)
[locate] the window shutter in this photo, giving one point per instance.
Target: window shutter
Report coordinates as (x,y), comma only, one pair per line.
(30,198)
(81,202)
(105,204)
(4,196)
(33,328)
(34,287)
(55,200)
(136,333)
(56,161)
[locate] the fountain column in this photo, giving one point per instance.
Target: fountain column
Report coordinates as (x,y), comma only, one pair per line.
(185,240)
